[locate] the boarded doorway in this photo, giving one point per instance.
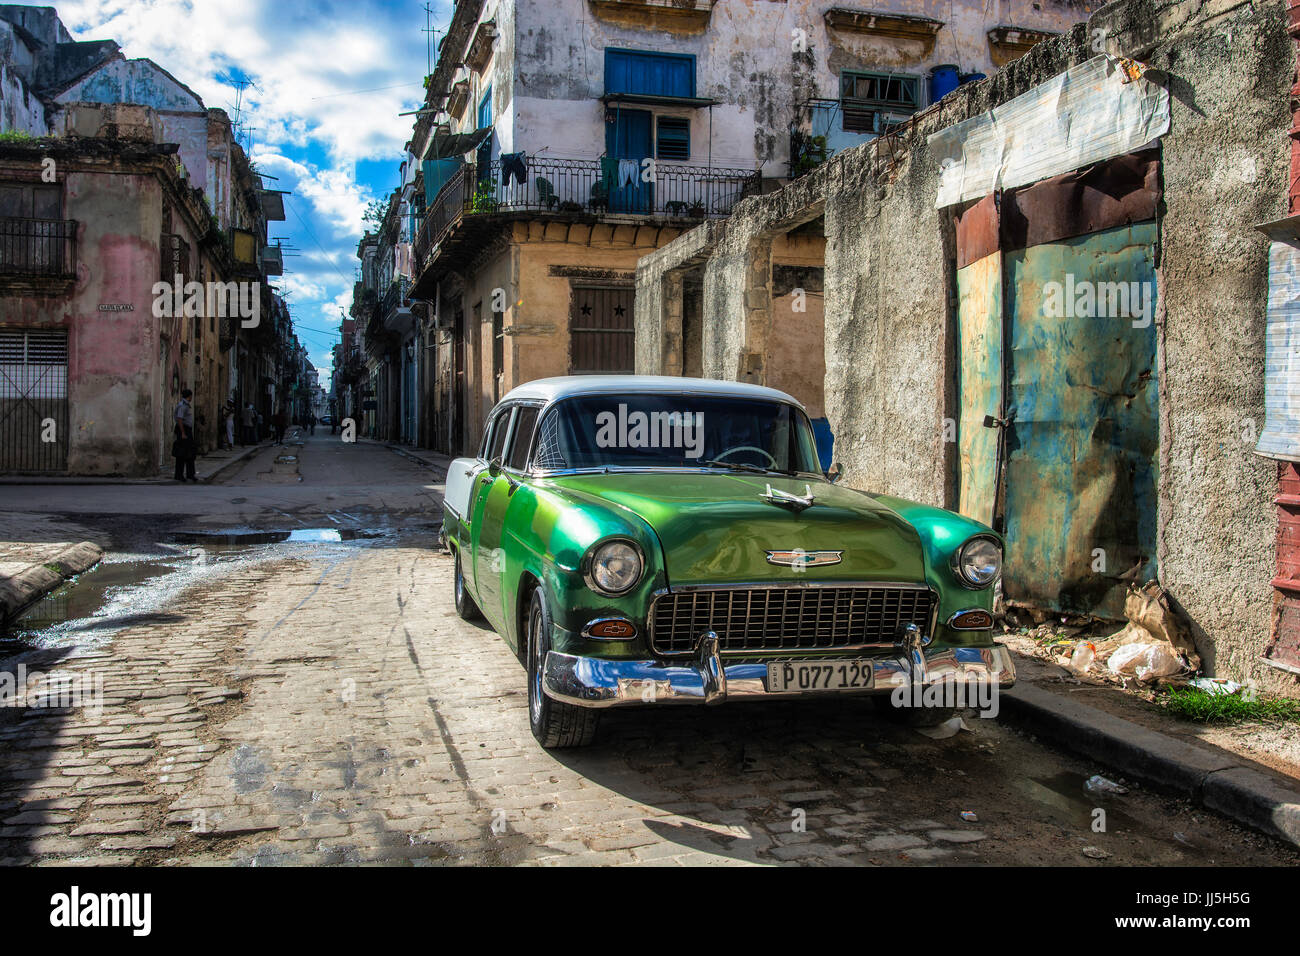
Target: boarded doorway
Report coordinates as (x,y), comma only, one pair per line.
(602,337)
(1057,437)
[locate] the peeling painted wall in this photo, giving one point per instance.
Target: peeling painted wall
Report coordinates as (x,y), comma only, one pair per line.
(759,59)
(890,309)
(121,358)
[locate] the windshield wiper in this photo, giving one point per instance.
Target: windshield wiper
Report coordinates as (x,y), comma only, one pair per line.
(737,466)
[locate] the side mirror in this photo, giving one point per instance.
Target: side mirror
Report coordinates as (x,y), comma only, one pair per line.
(835,472)
(494,467)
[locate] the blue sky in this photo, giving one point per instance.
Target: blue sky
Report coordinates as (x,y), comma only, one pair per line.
(330,80)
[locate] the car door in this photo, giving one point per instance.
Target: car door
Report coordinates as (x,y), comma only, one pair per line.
(485,529)
(498,545)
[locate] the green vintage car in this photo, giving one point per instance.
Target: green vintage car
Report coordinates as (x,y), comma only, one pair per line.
(645,540)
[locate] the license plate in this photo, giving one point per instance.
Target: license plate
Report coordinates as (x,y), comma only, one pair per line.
(819,675)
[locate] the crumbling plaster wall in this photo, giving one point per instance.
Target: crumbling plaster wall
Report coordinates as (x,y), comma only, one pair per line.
(759,59)
(1225,169)
(890,376)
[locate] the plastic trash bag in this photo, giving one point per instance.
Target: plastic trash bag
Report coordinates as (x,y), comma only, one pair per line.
(1145,661)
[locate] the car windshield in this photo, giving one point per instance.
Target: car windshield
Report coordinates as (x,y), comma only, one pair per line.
(676,431)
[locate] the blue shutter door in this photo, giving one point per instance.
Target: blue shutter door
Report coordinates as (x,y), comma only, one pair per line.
(649,74)
(630,139)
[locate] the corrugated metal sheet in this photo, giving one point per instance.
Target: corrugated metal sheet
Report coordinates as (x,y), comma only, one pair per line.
(1105,195)
(1094,111)
(977,231)
(1280,437)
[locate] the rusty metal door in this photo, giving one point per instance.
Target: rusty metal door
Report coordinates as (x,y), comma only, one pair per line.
(33,400)
(1081,440)
(979,385)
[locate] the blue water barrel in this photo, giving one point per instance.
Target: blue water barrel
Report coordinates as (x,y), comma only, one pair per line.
(943,80)
(971,77)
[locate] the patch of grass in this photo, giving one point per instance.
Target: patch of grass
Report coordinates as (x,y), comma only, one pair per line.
(1191,703)
(16,136)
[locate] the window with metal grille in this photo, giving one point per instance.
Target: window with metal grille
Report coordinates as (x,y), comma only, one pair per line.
(877,102)
(673,141)
(33,400)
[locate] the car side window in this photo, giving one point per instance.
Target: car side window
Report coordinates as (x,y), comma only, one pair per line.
(499,433)
(487,437)
(525,422)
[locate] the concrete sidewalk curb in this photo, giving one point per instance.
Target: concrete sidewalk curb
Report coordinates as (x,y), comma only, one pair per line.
(420,459)
(245,453)
(1216,781)
(27,587)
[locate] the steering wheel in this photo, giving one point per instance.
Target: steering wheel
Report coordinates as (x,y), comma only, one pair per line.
(771,461)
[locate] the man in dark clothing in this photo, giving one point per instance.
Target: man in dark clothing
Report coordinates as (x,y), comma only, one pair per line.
(185,449)
(279,421)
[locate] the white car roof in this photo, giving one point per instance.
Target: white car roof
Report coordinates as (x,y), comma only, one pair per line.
(552,389)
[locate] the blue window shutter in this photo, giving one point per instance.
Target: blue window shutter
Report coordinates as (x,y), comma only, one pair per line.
(485,109)
(649,74)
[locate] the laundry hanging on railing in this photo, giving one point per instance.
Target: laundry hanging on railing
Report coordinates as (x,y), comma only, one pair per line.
(629,171)
(516,165)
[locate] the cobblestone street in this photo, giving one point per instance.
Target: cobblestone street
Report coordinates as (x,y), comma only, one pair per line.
(320,702)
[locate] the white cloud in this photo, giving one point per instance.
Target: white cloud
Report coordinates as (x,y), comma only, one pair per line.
(309,124)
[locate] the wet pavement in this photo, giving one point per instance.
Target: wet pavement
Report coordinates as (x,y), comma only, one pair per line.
(292,685)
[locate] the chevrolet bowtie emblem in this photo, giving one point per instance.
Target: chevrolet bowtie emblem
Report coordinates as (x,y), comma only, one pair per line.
(800,559)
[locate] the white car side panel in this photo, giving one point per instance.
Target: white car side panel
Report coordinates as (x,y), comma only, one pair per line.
(461,475)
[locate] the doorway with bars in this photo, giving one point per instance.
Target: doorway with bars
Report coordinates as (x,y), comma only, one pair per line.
(33,400)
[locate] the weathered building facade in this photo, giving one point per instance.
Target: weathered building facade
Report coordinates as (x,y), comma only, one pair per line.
(116,182)
(562,141)
(1111,436)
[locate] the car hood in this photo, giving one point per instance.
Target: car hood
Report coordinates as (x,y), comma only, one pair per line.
(716,529)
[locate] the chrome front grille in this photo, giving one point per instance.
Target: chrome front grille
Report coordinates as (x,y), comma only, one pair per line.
(780,619)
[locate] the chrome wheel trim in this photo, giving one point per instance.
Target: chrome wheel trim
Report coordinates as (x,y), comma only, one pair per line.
(535,659)
(460,582)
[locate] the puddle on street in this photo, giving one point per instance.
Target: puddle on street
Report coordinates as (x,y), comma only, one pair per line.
(217,539)
(1065,794)
(144,588)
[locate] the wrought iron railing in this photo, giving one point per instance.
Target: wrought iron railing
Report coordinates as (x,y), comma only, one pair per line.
(38,248)
(583,186)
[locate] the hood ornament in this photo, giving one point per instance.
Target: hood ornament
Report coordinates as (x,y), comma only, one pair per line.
(785,499)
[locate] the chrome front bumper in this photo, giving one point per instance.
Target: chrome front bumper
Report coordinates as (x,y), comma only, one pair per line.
(596,682)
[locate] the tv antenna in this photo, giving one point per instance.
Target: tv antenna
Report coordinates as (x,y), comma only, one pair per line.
(430,32)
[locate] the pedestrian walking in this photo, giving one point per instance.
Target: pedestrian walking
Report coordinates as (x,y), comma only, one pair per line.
(250,425)
(279,422)
(311,423)
(229,421)
(184,448)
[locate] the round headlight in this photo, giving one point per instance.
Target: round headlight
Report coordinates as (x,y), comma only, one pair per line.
(979,562)
(615,567)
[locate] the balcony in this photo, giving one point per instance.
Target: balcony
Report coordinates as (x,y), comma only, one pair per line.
(38,253)
(579,189)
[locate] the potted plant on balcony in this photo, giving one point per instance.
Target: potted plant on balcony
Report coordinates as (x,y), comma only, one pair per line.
(484,199)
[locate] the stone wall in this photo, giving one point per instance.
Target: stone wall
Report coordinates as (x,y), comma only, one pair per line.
(889,274)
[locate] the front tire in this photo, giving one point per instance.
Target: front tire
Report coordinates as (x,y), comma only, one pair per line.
(554,723)
(465,605)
